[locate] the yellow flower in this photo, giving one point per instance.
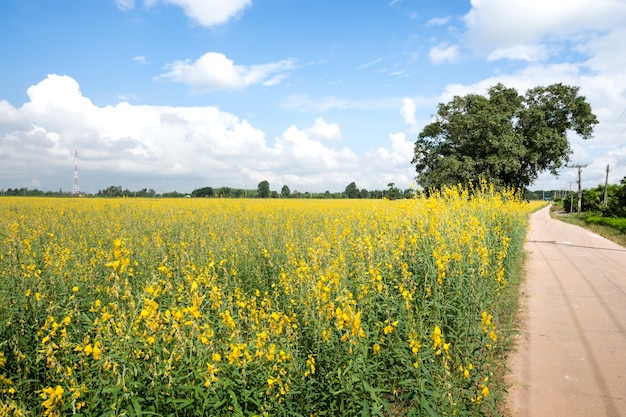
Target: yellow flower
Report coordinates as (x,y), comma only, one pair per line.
(436,336)
(97,352)
(310,362)
(53,399)
(388,329)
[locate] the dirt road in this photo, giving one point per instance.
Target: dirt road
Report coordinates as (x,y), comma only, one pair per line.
(571,358)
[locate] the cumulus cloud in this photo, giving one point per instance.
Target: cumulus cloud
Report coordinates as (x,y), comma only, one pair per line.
(408,111)
(401,150)
(169,147)
(214,71)
(444,53)
(11,118)
(496,24)
(324,131)
(211,13)
(393,163)
(311,155)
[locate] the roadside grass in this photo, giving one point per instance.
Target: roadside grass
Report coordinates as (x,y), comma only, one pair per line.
(513,321)
(611,233)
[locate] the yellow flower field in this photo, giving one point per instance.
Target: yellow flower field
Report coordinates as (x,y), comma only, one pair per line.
(255,307)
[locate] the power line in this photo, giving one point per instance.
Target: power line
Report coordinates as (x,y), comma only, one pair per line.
(617,122)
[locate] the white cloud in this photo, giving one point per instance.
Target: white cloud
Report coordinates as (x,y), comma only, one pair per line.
(205,12)
(324,131)
(124,4)
(401,151)
(141,59)
(325,104)
(173,148)
(495,24)
(309,154)
(11,118)
(530,53)
(442,53)
(438,21)
(214,71)
(391,164)
(211,12)
(408,111)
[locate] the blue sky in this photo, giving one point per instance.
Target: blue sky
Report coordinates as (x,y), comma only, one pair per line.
(182,94)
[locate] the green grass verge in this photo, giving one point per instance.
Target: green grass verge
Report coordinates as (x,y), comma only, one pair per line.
(603,227)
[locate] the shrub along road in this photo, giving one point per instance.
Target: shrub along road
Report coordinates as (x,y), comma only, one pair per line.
(571,357)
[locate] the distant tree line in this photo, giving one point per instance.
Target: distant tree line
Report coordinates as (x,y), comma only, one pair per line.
(117,191)
(351,191)
(262,191)
(593,199)
(30,193)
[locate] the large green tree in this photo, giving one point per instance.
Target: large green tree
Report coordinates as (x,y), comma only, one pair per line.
(504,137)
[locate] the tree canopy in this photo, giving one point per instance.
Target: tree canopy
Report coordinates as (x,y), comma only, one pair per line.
(504,137)
(263,189)
(352,191)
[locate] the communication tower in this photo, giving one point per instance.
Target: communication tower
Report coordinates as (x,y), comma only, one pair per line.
(76,188)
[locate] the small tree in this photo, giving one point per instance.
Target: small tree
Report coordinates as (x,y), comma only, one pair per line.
(352,191)
(263,189)
(202,192)
(284,192)
(393,192)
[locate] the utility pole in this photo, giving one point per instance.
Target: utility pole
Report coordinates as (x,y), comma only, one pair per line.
(580,191)
(606,185)
(76,187)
